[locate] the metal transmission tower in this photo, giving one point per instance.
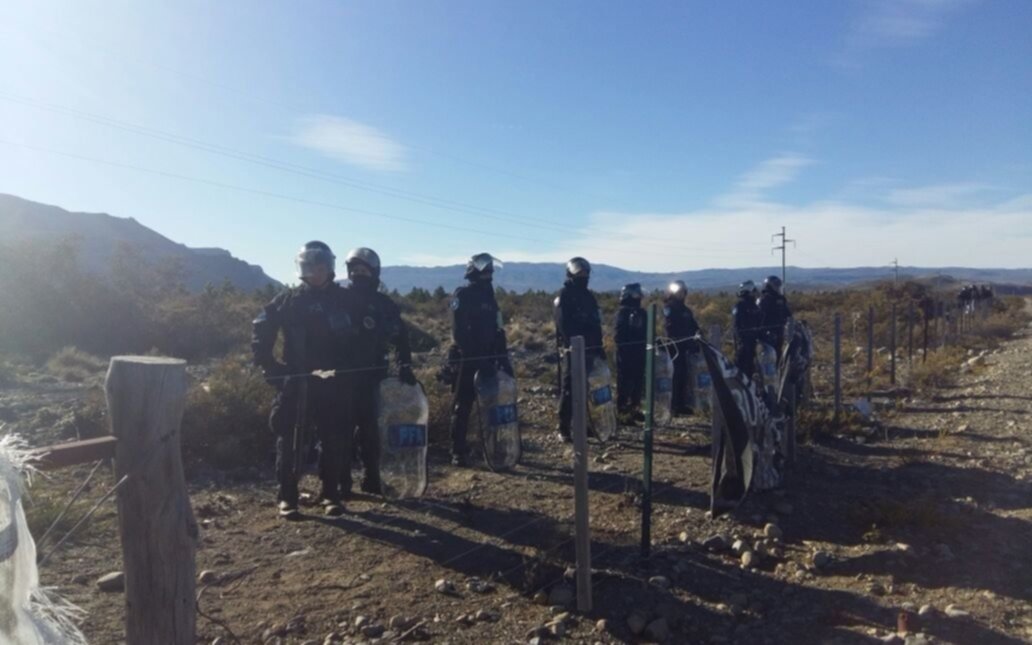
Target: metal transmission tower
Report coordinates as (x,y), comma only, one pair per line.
(895,267)
(783,246)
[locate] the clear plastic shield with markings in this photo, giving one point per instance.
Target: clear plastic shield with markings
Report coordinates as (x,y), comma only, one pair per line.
(767,358)
(499,420)
(601,406)
(402,415)
(663,388)
(701,383)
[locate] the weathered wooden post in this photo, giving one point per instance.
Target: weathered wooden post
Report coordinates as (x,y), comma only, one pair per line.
(146,396)
(870,344)
(838,365)
(892,345)
(650,411)
(910,333)
(579,396)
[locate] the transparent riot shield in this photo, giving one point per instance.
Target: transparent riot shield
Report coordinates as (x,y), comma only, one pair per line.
(601,407)
(767,359)
(663,388)
(701,383)
(402,415)
(499,421)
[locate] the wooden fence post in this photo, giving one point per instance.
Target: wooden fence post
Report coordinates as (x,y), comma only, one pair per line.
(892,344)
(838,364)
(910,333)
(579,381)
(146,396)
(870,344)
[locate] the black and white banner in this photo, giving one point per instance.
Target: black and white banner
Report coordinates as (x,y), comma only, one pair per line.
(747,438)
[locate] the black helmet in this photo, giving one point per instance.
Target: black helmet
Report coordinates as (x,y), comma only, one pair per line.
(363,262)
(578,268)
(747,288)
(313,254)
(481,264)
(677,289)
(772,283)
(632,290)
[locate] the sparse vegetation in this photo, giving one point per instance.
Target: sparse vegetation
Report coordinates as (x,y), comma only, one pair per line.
(74,365)
(226,419)
(939,370)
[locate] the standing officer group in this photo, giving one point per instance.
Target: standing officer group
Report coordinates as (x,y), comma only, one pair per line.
(329,328)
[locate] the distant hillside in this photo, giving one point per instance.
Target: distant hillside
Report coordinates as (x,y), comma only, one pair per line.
(99,236)
(527,276)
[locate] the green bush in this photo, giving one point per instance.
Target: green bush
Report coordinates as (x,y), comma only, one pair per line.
(226,420)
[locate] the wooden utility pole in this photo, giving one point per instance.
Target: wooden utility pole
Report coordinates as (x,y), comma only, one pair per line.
(579,380)
(146,396)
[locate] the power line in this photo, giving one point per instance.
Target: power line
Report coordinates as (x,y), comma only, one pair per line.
(313,173)
(291,198)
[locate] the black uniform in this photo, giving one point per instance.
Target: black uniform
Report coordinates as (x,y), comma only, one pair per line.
(630,335)
(746,319)
(681,328)
(480,344)
(576,314)
(317,333)
(378,326)
(774,314)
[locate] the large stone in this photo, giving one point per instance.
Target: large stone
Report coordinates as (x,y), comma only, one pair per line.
(660,581)
(444,586)
(112,582)
(561,595)
(637,622)
(658,630)
(821,559)
(954,611)
(715,542)
(773,531)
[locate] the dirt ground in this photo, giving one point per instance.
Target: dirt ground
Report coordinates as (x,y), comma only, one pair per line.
(928,511)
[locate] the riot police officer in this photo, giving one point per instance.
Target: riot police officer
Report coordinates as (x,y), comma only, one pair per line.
(316,329)
(479,344)
(576,314)
(774,314)
(630,336)
(378,326)
(746,320)
(681,329)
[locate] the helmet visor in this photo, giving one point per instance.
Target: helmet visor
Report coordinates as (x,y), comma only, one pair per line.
(485,262)
(578,268)
(308,259)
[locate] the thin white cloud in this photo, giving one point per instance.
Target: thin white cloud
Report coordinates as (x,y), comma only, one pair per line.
(351,142)
(771,173)
(938,195)
(894,23)
(829,234)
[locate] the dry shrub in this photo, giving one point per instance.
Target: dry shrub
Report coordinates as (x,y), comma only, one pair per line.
(939,370)
(226,419)
(74,365)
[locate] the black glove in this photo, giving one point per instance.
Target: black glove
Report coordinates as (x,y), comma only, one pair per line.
(406,376)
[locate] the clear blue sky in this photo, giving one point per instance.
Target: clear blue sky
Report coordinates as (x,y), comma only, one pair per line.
(658,135)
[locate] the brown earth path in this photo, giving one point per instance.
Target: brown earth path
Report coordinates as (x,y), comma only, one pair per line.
(931,506)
